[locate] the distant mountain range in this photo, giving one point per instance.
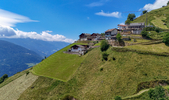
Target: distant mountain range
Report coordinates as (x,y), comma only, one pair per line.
(14,58)
(43,48)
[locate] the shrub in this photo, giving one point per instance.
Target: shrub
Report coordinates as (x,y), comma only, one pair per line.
(166,39)
(129,38)
(118,36)
(101,69)
(144,33)
(27,72)
(157,29)
(68,97)
(135,40)
(157,94)
(105,56)
(104,45)
(117,98)
(2,79)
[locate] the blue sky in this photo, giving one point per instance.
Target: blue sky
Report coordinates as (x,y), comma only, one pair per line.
(65,20)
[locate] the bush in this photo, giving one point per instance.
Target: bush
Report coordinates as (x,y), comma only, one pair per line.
(157,94)
(118,36)
(129,38)
(135,40)
(144,33)
(166,39)
(101,69)
(117,98)
(68,97)
(114,58)
(157,29)
(2,79)
(105,56)
(104,45)
(27,72)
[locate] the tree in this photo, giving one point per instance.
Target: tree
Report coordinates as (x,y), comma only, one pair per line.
(127,21)
(104,45)
(118,36)
(168,3)
(145,11)
(166,39)
(130,17)
(102,34)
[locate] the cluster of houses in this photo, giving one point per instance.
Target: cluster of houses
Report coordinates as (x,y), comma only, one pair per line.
(110,34)
(133,28)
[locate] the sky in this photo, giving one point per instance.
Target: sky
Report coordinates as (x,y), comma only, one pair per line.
(65,20)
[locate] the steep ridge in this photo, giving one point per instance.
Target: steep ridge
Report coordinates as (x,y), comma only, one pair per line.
(43,48)
(15,58)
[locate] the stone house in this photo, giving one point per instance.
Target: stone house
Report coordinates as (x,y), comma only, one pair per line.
(110,33)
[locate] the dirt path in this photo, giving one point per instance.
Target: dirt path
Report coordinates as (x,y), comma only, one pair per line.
(141,92)
(13,90)
(135,95)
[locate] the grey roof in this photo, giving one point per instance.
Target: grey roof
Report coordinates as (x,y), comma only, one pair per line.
(136,24)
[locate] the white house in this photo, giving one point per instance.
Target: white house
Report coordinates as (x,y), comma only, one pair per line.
(81,49)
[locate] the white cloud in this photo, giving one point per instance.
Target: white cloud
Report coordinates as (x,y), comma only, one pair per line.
(99,3)
(88,18)
(122,24)
(10,19)
(113,14)
(157,4)
(8,32)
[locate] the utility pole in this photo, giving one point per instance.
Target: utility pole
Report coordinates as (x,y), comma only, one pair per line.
(146,19)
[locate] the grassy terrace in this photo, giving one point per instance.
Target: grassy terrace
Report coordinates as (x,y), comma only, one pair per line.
(138,41)
(160,48)
(119,77)
(59,66)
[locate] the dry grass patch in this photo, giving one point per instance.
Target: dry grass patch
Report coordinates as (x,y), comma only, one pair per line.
(13,90)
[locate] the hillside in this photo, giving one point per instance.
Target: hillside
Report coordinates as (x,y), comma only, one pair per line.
(156,17)
(120,76)
(43,48)
(59,65)
(15,58)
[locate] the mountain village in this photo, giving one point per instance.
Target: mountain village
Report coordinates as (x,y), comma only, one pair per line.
(127,31)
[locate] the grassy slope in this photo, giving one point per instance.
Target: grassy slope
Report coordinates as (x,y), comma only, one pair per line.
(119,77)
(59,65)
(153,47)
(159,14)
